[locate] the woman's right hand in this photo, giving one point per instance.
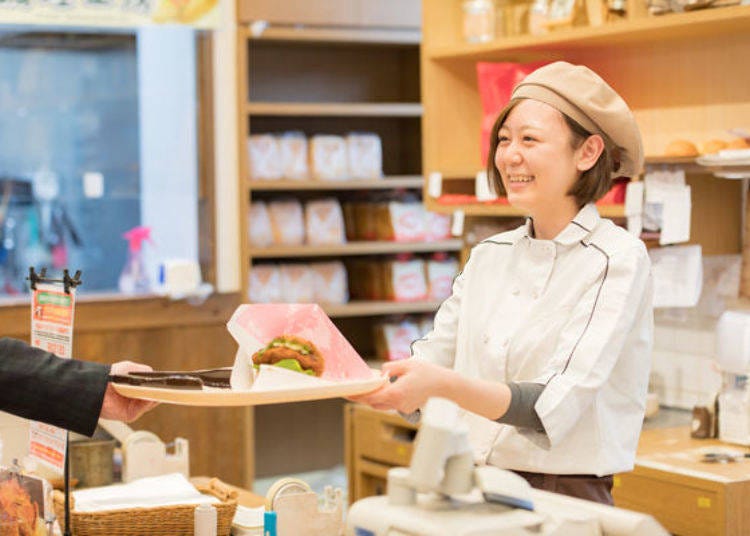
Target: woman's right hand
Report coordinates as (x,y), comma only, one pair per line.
(412,382)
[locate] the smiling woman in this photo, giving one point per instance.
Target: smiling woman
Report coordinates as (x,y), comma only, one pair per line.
(546,338)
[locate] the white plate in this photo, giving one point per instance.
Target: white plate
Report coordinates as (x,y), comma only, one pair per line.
(713,160)
(213,396)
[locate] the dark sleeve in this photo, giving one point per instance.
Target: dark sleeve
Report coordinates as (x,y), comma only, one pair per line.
(521,412)
(38,385)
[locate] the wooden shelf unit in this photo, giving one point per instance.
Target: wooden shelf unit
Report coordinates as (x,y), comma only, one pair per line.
(508,211)
(635,32)
(355,248)
(336,109)
(680,74)
(378,308)
(334,34)
(334,79)
(386,183)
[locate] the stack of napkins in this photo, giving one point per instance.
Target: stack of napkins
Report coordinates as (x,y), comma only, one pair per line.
(165,490)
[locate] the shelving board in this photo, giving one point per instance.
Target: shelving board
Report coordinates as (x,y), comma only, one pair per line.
(386,183)
(482,209)
(355,248)
(368,308)
(688,163)
(693,25)
(330,34)
(335,109)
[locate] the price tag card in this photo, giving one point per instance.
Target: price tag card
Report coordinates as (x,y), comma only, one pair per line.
(52,313)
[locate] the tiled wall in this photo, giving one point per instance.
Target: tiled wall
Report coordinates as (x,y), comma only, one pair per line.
(682,373)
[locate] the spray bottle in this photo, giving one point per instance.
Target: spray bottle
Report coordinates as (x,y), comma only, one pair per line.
(133,278)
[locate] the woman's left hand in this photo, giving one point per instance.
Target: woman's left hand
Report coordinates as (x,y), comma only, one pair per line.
(415,382)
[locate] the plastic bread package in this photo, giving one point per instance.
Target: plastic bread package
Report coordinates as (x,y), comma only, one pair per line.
(365,154)
(259,225)
(265,284)
(293,154)
(287,223)
(393,339)
(366,220)
(436,226)
(402,222)
(405,280)
(296,283)
(330,283)
(440,275)
(264,157)
(366,279)
(324,222)
(328,158)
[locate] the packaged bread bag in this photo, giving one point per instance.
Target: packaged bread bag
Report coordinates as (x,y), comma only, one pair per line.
(436,226)
(404,279)
(328,158)
(287,225)
(365,156)
(296,283)
(440,271)
(401,221)
(393,339)
(265,284)
(293,154)
(330,283)
(259,225)
(365,279)
(264,157)
(324,222)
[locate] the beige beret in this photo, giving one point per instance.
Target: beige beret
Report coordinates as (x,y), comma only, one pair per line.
(585,97)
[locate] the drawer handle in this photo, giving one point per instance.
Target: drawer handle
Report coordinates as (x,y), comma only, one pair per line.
(399,433)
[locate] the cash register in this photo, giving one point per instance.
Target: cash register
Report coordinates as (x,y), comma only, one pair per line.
(442,493)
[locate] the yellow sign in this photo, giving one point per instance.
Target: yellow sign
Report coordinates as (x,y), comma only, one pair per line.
(203,14)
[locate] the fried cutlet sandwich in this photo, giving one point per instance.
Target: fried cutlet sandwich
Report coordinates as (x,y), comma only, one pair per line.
(293,353)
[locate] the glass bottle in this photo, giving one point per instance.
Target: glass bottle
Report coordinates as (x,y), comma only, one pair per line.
(479,21)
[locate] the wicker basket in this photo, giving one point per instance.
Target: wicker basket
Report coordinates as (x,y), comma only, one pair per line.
(174,520)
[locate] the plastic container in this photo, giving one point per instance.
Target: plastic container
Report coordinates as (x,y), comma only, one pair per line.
(206,520)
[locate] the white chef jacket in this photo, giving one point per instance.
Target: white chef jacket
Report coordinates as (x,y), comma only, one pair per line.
(573,313)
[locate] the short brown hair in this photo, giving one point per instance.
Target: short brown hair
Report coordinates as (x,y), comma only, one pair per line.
(593,183)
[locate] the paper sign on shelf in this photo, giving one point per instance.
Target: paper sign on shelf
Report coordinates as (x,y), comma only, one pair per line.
(457,227)
(52,314)
(483,190)
(634,198)
(435,184)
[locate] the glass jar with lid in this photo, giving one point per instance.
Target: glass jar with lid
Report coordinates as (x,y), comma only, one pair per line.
(478,21)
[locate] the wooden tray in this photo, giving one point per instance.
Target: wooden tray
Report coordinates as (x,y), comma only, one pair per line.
(212,396)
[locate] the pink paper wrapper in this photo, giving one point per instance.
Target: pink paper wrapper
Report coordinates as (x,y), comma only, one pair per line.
(254,325)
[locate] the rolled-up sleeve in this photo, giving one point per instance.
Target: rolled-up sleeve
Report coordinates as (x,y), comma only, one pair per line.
(593,338)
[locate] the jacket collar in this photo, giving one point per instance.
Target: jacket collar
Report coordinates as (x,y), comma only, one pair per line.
(581,226)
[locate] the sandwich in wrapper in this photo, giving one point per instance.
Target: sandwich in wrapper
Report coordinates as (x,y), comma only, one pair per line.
(293,353)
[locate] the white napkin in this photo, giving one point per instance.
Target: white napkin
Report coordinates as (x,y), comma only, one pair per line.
(165,490)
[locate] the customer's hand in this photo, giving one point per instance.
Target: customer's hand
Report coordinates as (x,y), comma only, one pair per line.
(413,381)
(118,407)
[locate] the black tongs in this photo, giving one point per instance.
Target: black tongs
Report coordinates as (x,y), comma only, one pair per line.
(194,379)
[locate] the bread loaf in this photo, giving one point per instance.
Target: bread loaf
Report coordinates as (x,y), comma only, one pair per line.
(714,146)
(681,148)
